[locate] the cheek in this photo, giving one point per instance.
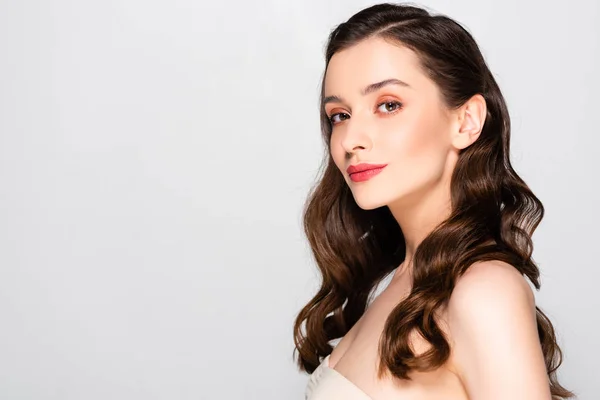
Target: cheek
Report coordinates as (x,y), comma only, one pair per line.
(418,148)
(338,154)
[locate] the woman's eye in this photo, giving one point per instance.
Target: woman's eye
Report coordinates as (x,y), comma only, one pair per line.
(340,117)
(389,106)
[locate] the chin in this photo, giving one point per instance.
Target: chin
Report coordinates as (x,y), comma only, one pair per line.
(369,202)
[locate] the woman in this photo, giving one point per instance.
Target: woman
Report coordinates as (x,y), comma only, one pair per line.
(418,183)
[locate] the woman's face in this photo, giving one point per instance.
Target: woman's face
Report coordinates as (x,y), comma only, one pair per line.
(402,124)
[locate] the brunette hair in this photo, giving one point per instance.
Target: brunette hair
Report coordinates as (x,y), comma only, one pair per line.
(494,213)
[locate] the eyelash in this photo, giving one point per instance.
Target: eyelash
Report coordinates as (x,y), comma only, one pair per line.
(396,103)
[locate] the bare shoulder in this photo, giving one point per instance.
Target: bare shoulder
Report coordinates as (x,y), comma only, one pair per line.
(491,318)
(489,294)
(490,284)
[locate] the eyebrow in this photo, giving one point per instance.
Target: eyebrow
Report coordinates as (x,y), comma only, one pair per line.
(369,89)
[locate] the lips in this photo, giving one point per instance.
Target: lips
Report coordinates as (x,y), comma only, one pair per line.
(364,172)
(363,167)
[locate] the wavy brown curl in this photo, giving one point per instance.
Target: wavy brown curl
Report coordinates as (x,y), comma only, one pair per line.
(494,213)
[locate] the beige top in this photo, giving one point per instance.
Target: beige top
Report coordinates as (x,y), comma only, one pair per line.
(326,383)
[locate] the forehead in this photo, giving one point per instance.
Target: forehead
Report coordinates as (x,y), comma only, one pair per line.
(372,60)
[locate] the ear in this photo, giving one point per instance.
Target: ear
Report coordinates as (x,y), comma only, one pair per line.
(470,119)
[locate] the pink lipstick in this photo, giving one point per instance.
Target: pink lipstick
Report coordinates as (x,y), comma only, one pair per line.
(363,172)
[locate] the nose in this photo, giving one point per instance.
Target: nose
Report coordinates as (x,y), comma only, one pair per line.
(356,136)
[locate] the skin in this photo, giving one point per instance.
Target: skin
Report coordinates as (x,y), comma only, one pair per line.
(490,317)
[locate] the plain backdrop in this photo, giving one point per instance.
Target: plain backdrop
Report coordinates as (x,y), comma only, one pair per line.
(154,160)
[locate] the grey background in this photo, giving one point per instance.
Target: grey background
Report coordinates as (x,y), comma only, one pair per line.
(154,159)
